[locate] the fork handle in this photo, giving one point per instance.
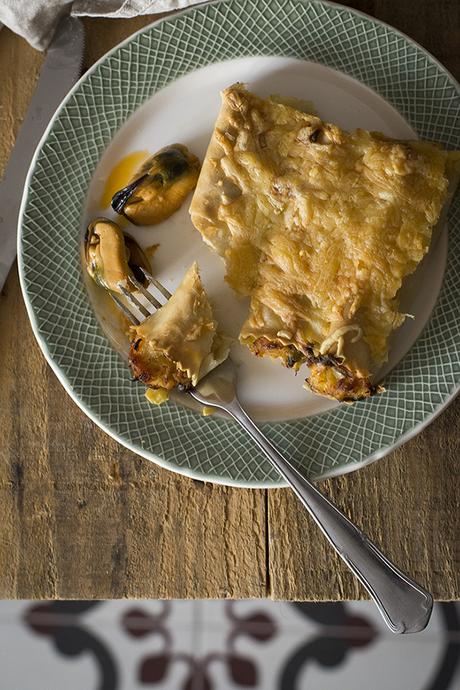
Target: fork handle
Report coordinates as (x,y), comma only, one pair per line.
(405,606)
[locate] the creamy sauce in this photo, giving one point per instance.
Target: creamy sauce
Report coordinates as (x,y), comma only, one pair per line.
(121,174)
(217,386)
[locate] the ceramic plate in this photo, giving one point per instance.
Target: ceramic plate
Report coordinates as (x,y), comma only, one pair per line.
(162,85)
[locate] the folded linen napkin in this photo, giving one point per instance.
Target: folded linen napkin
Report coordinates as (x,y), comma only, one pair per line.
(36,20)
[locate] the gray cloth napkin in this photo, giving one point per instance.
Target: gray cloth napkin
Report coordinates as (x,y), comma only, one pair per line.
(36,20)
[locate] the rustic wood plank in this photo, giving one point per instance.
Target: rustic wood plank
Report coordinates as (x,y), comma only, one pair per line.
(409,501)
(82,516)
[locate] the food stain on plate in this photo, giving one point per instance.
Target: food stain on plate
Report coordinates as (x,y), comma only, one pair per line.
(150,250)
(121,174)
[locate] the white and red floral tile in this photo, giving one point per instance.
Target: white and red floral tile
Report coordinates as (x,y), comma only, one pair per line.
(221,645)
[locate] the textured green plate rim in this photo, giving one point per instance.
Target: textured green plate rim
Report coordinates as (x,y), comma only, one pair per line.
(331,443)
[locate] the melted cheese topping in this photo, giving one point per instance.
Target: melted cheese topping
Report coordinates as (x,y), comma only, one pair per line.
(319,226)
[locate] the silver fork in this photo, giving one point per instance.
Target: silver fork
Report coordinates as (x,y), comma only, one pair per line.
(405,606)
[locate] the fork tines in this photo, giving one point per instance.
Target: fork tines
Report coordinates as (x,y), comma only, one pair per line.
(132,301)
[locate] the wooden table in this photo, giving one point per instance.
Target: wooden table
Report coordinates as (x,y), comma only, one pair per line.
(84,518)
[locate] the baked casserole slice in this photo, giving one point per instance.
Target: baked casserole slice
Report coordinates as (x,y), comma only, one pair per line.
(319,227)
(179,343)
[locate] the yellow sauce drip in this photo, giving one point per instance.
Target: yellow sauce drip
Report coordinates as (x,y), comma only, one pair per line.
(121,175)
(156,397)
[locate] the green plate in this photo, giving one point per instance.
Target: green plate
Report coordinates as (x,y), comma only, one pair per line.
(333,442)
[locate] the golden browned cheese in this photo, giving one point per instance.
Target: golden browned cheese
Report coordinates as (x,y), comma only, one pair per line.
(179,343)
(319,226)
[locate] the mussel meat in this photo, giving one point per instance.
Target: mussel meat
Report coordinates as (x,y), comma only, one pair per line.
(112,256)
(159,187)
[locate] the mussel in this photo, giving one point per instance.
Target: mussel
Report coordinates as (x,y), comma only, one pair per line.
(112,256)
(159,187)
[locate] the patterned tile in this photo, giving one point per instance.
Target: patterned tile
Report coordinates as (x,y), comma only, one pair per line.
(221,645)
(363,48)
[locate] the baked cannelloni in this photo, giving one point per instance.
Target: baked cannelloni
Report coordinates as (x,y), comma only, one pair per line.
(179,343)
(319,227)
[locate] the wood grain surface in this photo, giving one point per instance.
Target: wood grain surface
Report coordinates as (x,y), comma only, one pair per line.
(82,517)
